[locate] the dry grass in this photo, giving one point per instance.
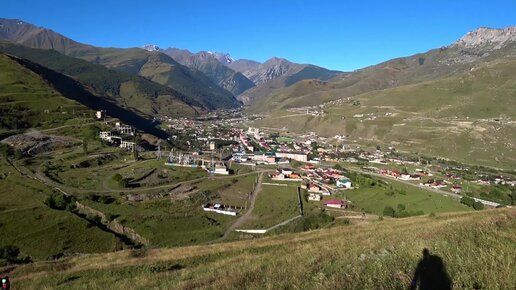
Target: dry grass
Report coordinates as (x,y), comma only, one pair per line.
(476,247)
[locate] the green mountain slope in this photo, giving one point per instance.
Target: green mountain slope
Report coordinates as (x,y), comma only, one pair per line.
(35,96)
(467,116)
(431,65)
(127,90)
(27,100)
(155,65)
(260,94)
(380,255)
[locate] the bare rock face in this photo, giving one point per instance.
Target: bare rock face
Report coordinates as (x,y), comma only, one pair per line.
(271,70)
(487,38)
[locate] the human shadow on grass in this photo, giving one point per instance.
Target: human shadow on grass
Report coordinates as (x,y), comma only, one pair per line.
(430,274)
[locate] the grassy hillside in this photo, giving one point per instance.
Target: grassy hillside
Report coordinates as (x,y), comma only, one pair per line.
(467,117)
(192,84)
(477,249)
(26,100)
(122,88)
(259,96)
(27,223)
(68,88)
(432,65)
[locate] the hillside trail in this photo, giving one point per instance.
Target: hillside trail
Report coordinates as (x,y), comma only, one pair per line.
(245,217)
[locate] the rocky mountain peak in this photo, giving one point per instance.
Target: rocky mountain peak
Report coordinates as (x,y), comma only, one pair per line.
(487,37)
(151,47)
(224,58)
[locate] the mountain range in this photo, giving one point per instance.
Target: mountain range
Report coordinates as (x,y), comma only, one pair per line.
(153,65)
(211,78)
(150,81)
(481,45)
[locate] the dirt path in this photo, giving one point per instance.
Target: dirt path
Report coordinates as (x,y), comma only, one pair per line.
(245,217)
(42,177)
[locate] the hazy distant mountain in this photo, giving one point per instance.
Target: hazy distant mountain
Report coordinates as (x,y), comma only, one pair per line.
(244,65)
(277,74)
(150,64)
(213,66)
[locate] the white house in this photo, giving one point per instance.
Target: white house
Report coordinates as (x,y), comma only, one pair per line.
(105,135)
(100,114)
(314,197)
(221,169)
(302,157)
(344,182)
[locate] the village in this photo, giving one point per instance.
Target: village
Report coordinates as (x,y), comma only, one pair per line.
(317,165)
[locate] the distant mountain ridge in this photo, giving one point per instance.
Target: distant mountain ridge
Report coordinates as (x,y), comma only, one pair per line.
(154,65)
(213,65)
(480,45)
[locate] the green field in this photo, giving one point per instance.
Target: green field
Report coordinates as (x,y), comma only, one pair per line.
(274,205)
(374,199)
(39,231)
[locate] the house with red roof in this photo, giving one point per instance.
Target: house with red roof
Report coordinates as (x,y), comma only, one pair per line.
(335,203)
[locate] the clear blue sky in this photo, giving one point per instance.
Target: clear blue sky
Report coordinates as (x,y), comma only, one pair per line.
(343,35)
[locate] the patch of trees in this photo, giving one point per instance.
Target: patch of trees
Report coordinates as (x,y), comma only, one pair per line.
(400,211)
(60,201)
(500,195)
(364,180)
(312,222)
(11,254)
(105,199)
(122,182)
(477,205)
(6,150)
(395,191)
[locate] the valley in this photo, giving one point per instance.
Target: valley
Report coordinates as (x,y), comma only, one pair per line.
(146,167)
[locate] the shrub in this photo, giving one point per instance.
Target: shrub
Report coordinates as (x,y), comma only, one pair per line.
(6,150)
(389,193)
(478,205)
(9,253)
(388,211)
(58,200)
(467,201)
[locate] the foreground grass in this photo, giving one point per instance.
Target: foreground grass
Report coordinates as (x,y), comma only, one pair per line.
(475,247)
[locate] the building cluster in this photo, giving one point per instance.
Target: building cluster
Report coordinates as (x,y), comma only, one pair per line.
(117,135)
(195,160)
(324,181)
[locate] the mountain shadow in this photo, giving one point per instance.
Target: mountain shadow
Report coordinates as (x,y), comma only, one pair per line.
(431,274)
(74,90)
